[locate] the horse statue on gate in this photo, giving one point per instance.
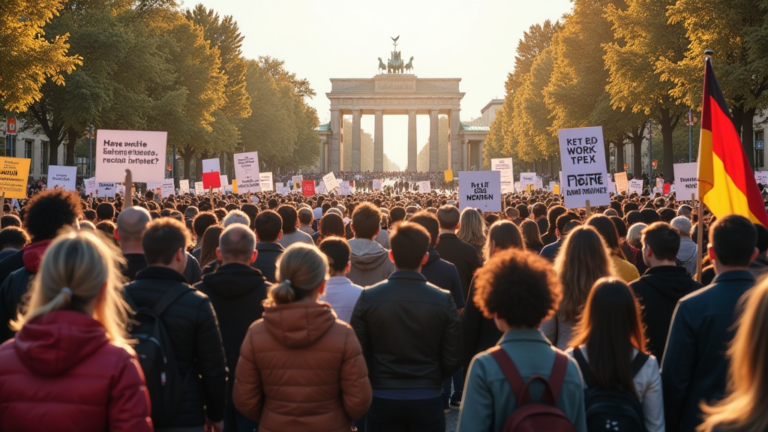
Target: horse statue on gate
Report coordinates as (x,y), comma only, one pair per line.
(395,63)
(409,66)
(382,66)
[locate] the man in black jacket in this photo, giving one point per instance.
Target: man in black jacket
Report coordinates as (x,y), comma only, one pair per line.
(269,229)
(660,288)
(236,291)
(191,325)
(452,249)
(695,365)
(410,333)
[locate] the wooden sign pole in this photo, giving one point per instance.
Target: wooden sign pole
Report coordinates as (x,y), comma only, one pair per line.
(699,241)
(588,208)
(128,189)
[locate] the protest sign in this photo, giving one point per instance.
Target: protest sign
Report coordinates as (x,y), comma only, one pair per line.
(622,184)
(425,187)
(344,188)
(762,177)
(686,180)
(247,172)
(659,182)
(530,188)
(448,175)
(308,187)
(556,189)
(224,183)
(211,165)
(90,186)
(297,179)
(142,152)
(283,190)
(184,186)
(583,158)
(635,186)
(234,186)
(330,181)
(199,188)
(14,174)
(211,180)
(517,186)
(321,189)
(526,179)
(539,183)
(265,181)
(377,185)
(610,183)
(481,190)
(504,166)
(62,176)
(552,184)
(168,188)
(106,190)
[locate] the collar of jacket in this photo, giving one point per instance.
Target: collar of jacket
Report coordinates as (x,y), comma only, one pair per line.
(338,281)
(263,246)
(734,275)
(523,335)
(407,274)
(163,273)
(448,235)
(665,269)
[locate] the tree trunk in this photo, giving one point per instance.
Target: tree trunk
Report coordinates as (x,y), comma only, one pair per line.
(53,152)
(619,154)
(607,145)
(187,167)
(198,167)
(637,151)
(667,121)
(748,136)
(72,136)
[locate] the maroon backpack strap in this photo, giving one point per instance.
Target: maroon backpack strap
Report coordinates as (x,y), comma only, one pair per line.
(510,371)
(557,376)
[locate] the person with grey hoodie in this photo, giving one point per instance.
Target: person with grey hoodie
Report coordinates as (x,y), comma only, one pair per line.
(686,255)
(370,261)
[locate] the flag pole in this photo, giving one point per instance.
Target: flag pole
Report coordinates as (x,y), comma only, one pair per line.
(700,224)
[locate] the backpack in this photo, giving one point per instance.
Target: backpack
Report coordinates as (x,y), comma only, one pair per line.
(611,410)
(534,416)
(155,352)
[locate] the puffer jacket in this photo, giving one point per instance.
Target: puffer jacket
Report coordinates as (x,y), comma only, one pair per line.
(370,262)
(301,369)
(61,373)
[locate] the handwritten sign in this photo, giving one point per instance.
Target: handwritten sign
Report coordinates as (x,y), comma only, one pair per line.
(142,152)
(636,186)
(526,179)
(184,186)
(425,187)
(106,190)
(481,190)
(622,184)
(62,176)
(330,181)
(168,188)
(199,188)
(14,174)
(265,181)
(504,166)
(247,172)
(584,173)
(687,180)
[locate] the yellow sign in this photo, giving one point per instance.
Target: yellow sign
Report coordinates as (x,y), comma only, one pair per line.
(234,186)
(448,175)
(556,190)
(529,188)
(14,174)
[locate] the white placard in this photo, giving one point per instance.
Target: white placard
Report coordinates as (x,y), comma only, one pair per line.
(199,189)
(120,188)
(168,188)
(283,190)
(425,187)
(481,190)
(106,190)
(320,189)
(90,186)
(224,179)
(610,183)
(636,186)
(552,184)
(142,152)
(297,179)
(377,185)
(211,165)
(686,180)
(247,172)
(582,154)
(184,186)
(539,183)
(330,181)
(526,179)
(504,166)
(344,188)
(518,186)
(659,182)
(622,184)
(265,181)
(762,177)
(62,176)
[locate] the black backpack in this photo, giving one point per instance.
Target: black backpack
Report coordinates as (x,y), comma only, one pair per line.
(161,371)
(611,410)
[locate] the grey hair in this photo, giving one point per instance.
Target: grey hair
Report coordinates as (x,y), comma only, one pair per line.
(683,224)
(236,216)
(634,234)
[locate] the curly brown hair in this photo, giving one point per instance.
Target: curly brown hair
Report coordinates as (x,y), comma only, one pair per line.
(49,211)
(518,286)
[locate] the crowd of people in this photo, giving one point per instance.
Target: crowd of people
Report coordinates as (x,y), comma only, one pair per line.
(378,312)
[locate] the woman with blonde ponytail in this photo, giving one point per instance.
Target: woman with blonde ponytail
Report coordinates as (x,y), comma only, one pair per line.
(300,368)
(69,368)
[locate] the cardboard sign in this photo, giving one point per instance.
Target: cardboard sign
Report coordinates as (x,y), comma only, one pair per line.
(425,187)
(265,181)
(330,181)
(142,152)
(635,186)
(90,186)
(481,190)
(168,188)
(224,184)
(539,183)
(762,177)
(14,174)
(211,180)
(184,186)
(582,154)
(62,176)
(687,180)
(526,179)
(308,187)
(199,188)
(297,179)
(622,184)
(247,172)
(211,165)
(610,183)
(106,190)
(666,188)
(504,166)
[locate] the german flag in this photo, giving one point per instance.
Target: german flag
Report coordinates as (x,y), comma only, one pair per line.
(726,182)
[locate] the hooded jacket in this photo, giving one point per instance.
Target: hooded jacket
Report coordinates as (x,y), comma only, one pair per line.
(266,260)
(370,262)
(62,373)
(687,254)
(301,369)
(15,285)
(658,292)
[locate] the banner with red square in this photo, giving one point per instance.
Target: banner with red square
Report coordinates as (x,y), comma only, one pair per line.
(308,187)
(211,180)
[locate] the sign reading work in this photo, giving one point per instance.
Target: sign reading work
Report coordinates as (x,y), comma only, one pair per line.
(142,152)
(481,190)
(14,174)
(584,173)
(62,176)
(247,172)
(504,166)
(686,180)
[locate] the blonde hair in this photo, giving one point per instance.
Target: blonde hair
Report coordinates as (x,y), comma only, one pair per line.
(77,268)
(583,259)
(473,229)
(300,271)
(743,409)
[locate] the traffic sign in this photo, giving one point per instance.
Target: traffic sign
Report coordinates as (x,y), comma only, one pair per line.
(626,166)
(655,163)
(10,126)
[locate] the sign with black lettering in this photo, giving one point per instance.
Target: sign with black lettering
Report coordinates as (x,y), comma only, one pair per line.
(481,190)
(142,152)
(584,173)
(686,180)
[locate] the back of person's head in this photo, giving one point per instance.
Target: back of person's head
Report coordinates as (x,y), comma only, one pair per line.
(409,243)
(191,212)
(683,225)
(517,286)
(131,224)
(635,235)
(236,244)
(10,220)
(306,216)
(663,239)
(49,211)
(366,221)
(269,224)
(301,270)
(236,216)
(667,214)
(611,327)
(634,217)
(649,216)
(331,225)
(472,228)
(105,211)
(511,213)
(503,235)
(202,222)
(209,244)
(13,238)
(338,253)
(430,223)
(77,270)
(762,238)
(539,210)
(522,210)
(531,234)
(449,217)
(163,239)
(563,220)
(583,259)
(554,213)
(252,210)
(621,227)
(607,231)
(685,210)
(89,215)
(734,239)
(397,214)
(290,217)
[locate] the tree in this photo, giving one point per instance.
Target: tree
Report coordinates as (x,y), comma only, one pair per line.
(27,58)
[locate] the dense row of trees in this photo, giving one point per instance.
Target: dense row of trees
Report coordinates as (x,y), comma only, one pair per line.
(146,64)
(626,65)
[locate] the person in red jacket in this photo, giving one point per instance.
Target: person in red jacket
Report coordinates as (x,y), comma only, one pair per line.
(69,367)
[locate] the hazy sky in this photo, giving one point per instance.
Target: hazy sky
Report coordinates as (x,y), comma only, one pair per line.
(322,39)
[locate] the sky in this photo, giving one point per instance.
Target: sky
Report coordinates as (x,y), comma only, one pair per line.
(474,40)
